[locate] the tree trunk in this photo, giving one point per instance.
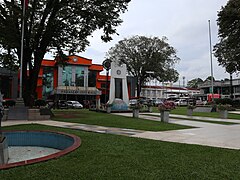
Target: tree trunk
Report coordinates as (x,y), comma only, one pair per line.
(30,81)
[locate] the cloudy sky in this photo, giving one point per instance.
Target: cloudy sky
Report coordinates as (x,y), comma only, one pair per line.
(183,22)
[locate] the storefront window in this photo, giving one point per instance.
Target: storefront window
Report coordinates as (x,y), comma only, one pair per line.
(67,75)
(92,78)
(47,81)
(79,76)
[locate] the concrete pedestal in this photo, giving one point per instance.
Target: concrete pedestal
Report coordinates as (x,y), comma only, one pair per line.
(189,112)
(165,116)
(149,108)
(135,113)
(4,151)
(108,109)
(223,114)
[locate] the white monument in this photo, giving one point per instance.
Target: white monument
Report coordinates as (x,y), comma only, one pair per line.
(118,73)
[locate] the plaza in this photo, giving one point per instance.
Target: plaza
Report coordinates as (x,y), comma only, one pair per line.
(116,144)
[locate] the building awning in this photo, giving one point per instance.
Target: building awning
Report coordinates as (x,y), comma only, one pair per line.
(73,90)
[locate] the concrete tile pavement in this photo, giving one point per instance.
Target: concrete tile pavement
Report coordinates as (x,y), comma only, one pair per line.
(209,134)
(77,126)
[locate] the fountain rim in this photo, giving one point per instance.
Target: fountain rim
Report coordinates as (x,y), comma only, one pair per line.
(74,146)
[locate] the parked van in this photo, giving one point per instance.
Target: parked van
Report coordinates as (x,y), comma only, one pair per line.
(181,102)
(74,105)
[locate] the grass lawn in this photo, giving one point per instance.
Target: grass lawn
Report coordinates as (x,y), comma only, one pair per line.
(183,111)
(105,156)
(110,120)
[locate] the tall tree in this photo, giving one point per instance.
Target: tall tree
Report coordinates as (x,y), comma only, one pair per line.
(59,25)
(144,54)
(209,78)
(194,82)
(227,50)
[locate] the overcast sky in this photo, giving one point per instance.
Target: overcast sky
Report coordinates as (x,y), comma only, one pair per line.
(183,22)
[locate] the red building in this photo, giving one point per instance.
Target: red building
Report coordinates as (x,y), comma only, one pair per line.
(79,80)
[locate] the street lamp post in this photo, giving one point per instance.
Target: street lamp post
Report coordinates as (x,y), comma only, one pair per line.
(107,65)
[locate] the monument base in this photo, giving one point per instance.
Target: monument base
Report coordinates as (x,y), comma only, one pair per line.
(119,105)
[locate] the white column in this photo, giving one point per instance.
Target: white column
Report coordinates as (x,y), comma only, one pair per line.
(125,90)
(112,90)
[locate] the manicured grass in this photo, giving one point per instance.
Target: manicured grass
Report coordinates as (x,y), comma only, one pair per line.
(105,156)
(111,120)
(183,111)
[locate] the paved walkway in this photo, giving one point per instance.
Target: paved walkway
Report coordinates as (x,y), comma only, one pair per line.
(209,134)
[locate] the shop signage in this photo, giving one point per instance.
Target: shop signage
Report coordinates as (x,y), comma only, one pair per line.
(78,91)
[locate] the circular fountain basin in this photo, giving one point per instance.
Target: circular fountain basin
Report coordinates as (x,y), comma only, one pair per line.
(37,146)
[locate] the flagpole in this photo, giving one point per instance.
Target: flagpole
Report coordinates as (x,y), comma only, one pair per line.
(210,49)
(22,46)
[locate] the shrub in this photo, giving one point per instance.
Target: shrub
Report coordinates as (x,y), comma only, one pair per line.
(136,106)
(224,101)
(191,107)
(9,103)
(222,107)
(166,106)
(236,103)
(40,102)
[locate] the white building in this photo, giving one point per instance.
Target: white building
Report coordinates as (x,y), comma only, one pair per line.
(164,92)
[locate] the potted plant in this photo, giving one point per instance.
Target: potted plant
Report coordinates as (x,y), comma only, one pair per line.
(223,110)
(164,109)
(190,109)
(136,107)
(149,105)
(108,107)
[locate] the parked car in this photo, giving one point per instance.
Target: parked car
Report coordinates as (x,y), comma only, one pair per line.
(200,102)
(133,102)
(62,104)
(157,102)
(181,102)
(74,104)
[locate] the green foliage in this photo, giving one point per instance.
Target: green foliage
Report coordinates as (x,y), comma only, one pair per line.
(209,78)
(222,107)
(224,101)
(8,61)
(227,50)
(9,103)
(144,54)
(136,106)
(54,26)
(236,103)
(194,82)
(40,102)
(191,107)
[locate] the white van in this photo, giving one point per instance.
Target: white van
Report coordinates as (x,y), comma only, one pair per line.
(181,102)
(74,105)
